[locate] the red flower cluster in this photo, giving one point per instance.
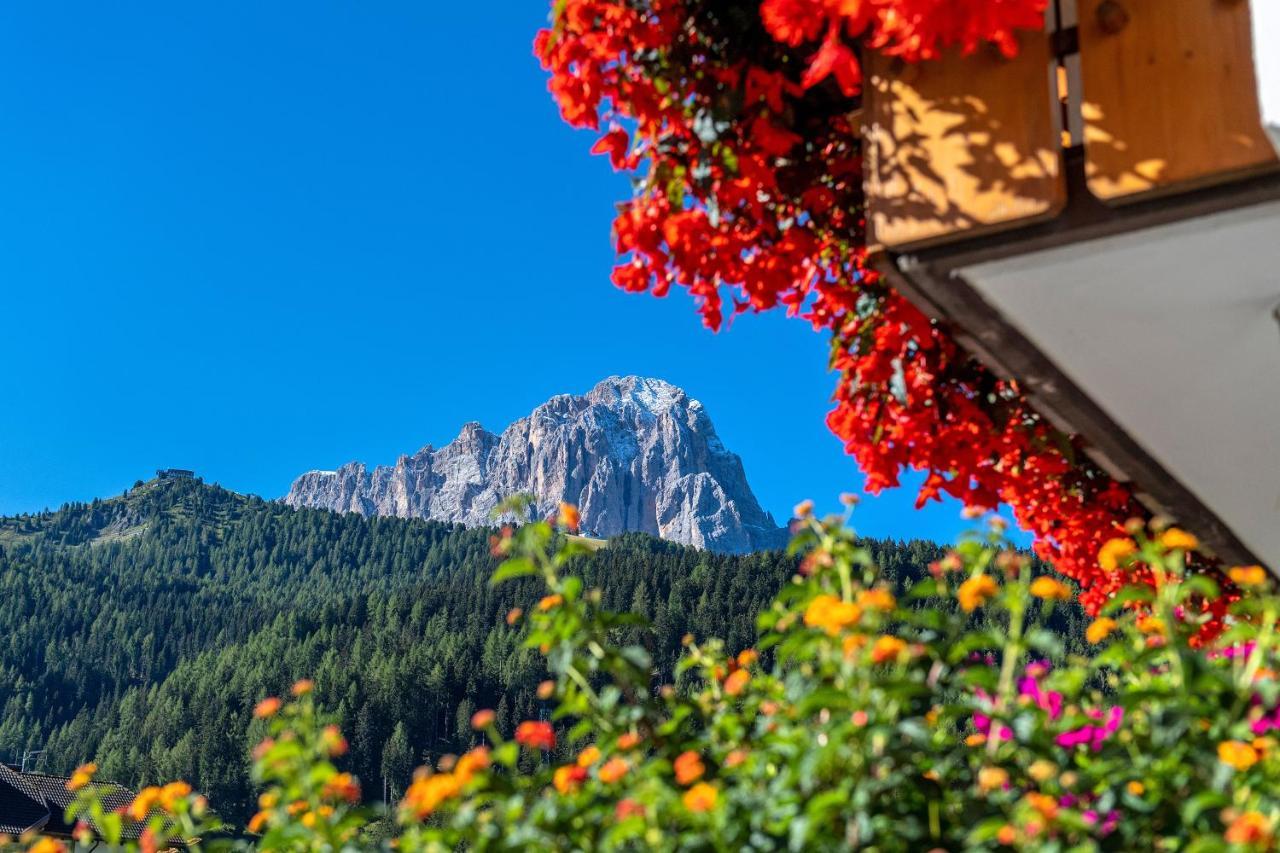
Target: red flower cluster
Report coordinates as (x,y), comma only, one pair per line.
(752,193)
(911,29)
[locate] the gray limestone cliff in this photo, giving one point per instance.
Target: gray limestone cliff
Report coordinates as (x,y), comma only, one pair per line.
(633,454)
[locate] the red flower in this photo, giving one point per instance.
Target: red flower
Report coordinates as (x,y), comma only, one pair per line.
(536,735)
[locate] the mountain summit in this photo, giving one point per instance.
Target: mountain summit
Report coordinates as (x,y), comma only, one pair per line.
(634,454)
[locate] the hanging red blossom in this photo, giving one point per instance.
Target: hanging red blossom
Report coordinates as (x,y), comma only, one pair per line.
(750,197)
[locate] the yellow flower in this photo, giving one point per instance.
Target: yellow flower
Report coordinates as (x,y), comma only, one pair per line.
(887,648)
(991,778)
(701,798)
(1248,575)
(47,845)
(1099,629)
(1050,589)
(831,614)
(1151,625)
(1175,538)
(268,799)
(1042,770)
(83,776)
(1237,754)
(1115,552)
(975,592)
(877,599)
(589,756)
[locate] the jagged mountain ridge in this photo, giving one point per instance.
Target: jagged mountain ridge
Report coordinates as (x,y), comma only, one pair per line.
(634,454)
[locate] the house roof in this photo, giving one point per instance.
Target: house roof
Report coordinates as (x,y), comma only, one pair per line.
(40,800)
(22,808)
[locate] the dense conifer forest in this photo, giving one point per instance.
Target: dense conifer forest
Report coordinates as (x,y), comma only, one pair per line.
(140,631)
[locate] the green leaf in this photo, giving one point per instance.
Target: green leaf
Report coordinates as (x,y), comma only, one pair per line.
(516,567)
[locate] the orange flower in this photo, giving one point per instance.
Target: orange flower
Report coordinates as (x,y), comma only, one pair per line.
(303,686)
(831,614)
(426,794)
(734,758)
(569,517)
(589,756)
(83,776)
(342,786)
(470,764)
(536,735)
(1248,575)
(1175,538)
(258,821)
(1050,589)
(628,740)
(976,591)
(613,770)
(47,845)
(887,648)
(736,682)
(514,614)
(991,778)
(701,798)
(1046,805)
(627,808)
(1099,629)
(746,657)
(568,778)
(1007,835)
(689,767)
(267,708)
(1115,553)
(1249,828)
(975,739)
(877,599)
(1136,788)
(550,601)
(334,742)
(1237,754)
(804,509)
(143,803)
(173,792)
(482,719)
(546,689)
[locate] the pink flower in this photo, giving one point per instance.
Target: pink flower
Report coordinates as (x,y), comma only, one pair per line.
(1093,735)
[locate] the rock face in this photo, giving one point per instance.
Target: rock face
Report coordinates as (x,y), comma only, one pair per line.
(633,454)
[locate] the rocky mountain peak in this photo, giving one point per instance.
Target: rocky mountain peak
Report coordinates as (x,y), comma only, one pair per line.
(633,453)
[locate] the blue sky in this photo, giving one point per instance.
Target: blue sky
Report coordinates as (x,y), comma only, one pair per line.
(253,239)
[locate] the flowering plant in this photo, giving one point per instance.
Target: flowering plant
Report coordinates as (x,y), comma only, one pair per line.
(946,715)
(741,122)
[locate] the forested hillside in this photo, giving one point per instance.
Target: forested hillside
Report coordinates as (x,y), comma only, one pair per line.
(141,630)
